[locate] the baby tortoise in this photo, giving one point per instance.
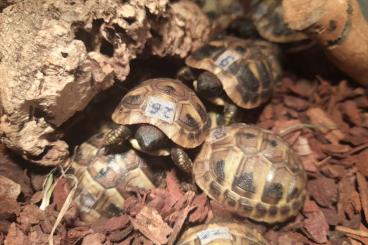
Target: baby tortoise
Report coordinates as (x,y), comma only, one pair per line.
(251,171)
(221,12)
(161,117)
(104,180)
(221,234)
(233,72)
(268,19)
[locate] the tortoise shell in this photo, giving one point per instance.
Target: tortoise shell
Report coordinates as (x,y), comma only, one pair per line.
(170,106)
(267,16)
(104,180)
(251,171)
(247,69)
(221,234)
(221,12)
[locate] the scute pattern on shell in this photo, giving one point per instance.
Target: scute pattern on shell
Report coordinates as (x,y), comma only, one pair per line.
(248,80)
(252,172)
(268,18)
(240,235)
(190,124)
(104,179)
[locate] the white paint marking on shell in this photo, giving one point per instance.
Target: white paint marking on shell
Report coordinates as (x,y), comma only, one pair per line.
(218,133)
(227,58)
(114,163)
(209,235)
(87,201)
(161,109)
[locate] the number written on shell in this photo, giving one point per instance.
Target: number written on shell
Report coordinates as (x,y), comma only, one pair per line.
(161,109)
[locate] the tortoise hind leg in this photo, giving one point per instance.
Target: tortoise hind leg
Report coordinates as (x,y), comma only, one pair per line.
(117,136)
(181,159)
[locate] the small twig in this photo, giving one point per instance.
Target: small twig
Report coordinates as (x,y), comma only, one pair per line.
(300,126)
(323,161)
(66,204)
(350,231)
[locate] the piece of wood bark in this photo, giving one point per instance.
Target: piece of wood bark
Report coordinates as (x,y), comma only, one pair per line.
(53,52)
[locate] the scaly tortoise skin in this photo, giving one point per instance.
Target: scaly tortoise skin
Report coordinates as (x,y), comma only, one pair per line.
(103,180)
(267,17)
(221,234)
(247,69)
(251,171)
(189,125)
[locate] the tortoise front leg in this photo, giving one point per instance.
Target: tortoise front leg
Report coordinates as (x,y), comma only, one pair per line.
(117,136)
(231,111)
(181,159)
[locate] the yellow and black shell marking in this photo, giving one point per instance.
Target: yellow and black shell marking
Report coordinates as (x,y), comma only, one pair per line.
(268,18)
(103,180)
(170,106)
(221,234)
(247,69)
(251,171)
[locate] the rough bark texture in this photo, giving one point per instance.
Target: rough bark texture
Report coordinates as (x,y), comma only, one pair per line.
(6,3)
(55,56)
(185,29)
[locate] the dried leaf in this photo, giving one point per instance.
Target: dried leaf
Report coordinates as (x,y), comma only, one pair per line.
(149,222)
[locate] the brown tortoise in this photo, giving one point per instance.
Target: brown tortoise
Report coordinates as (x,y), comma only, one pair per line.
(166,117)
(221,234)
(234,71)
(267,16)
(251,171)
(104,180)
(221,12)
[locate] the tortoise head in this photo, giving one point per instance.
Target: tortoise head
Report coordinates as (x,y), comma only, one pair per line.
(150,138)
(208,85)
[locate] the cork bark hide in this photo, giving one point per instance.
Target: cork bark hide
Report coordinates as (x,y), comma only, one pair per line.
(55,56)
(341,27)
